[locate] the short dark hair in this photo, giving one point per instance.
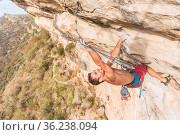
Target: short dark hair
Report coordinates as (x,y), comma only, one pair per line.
(93,81)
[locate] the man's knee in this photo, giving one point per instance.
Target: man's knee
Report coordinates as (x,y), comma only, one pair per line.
(148,68)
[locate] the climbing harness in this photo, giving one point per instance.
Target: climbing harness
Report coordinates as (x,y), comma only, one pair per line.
(117,61)
(137,81)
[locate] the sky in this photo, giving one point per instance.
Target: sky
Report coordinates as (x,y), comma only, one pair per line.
(7,6)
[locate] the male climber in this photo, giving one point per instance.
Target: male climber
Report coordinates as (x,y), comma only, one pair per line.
(132,79)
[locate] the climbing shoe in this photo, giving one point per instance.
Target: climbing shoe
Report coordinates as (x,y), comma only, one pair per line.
(168,78)
(125,94)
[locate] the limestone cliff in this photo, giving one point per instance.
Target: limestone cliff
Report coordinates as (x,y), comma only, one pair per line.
(152,29)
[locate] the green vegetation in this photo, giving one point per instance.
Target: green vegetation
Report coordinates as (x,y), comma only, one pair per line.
(90,100)
(69,47)
(50,46)
(10,107)
(60,50)
(48,107)
(36,43)
(25,38)
(45,65)
(44,35)
(27,102)
(27,85)
(59,90)
(71,50)
(71,98)
(61,116)
(30,26)
(8,73)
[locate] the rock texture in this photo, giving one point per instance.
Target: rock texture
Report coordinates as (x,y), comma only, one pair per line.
(152,29)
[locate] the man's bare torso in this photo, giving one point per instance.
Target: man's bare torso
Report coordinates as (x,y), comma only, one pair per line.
(122,77)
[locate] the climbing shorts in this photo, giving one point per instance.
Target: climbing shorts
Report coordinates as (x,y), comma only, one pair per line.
(139,73)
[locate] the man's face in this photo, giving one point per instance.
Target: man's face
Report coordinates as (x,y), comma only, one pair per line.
(96,74)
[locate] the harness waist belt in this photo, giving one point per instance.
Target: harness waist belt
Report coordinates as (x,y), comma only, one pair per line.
(136,79)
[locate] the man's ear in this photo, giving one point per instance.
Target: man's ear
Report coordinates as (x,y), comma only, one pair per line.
(101,79)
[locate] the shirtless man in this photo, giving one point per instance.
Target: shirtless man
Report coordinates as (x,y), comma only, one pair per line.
(132,79)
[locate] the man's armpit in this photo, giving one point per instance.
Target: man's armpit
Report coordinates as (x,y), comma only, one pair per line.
(106,68)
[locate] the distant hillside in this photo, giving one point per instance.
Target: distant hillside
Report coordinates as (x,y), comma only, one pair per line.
(14,35)
(12,29)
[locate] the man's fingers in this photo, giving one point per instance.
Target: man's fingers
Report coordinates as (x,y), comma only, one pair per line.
(82,41)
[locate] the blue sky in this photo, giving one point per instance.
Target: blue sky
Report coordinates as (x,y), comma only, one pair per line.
(7,6)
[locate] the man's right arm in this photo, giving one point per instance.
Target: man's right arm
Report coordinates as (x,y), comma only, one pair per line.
(95,56)
(98,61)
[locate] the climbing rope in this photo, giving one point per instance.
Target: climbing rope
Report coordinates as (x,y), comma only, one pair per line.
(117,61)
(76,19)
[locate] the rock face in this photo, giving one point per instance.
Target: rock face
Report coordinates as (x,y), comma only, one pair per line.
(152,29)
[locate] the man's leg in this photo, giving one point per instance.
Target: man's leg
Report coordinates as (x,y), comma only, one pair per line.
(155,74)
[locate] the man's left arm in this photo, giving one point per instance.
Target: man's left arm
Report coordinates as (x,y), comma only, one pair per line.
(115,52)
